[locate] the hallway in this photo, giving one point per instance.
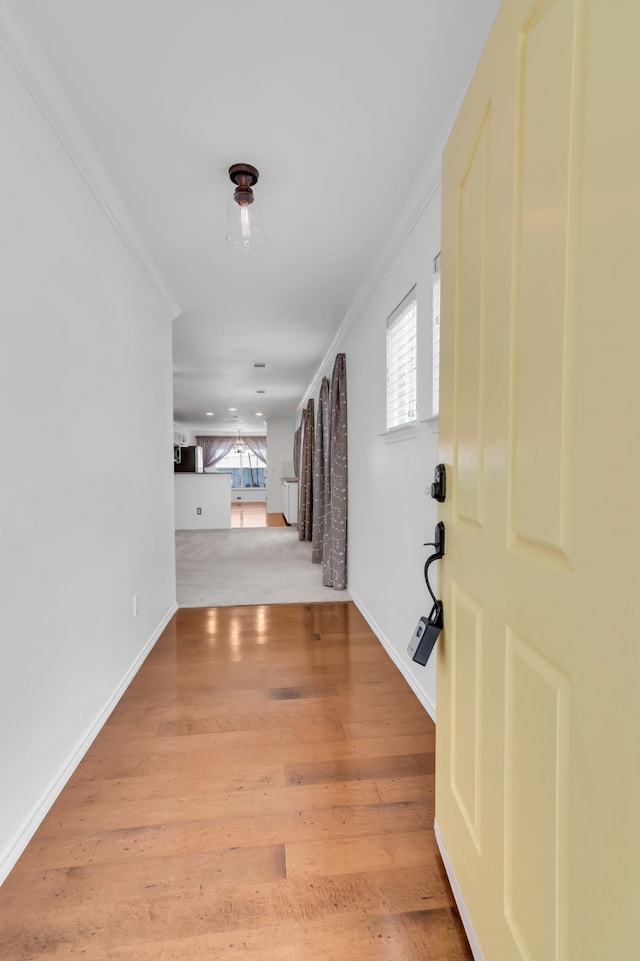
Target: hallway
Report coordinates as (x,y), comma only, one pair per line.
(264,790)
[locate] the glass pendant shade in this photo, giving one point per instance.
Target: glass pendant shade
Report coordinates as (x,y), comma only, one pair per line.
(243,225)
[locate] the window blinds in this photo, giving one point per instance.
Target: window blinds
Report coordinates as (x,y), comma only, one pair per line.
(401,362)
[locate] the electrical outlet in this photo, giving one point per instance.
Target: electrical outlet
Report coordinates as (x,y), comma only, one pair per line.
(136,604)
(198,510)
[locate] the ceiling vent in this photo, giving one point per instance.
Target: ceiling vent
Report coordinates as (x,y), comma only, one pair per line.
(259,363)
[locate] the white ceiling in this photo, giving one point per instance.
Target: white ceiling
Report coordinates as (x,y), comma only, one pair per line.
(338,104)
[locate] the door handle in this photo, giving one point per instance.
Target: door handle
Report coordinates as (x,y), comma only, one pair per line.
(426,633)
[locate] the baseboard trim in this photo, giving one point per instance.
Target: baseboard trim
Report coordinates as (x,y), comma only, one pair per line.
(41,809)
(457,893)
(426,701)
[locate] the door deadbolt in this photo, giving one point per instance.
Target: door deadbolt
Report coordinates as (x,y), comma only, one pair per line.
(439,486)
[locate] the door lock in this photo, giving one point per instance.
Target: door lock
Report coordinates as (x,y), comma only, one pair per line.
(428,629)
(439,486)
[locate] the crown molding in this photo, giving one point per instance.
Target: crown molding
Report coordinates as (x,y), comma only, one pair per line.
(414,206)
(429,183)
(29,62)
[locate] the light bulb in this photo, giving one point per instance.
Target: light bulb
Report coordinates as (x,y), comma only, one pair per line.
(243,226)
(245,222)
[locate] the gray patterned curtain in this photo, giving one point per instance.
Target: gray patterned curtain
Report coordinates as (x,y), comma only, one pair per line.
(320,471)
(257,446)
(214,449)
(305,487)
(296,452)
(334,559)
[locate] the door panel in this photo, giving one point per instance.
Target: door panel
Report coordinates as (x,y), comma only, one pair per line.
(542,317)
(469,422)
(536,777)
(538,780)
(470,665)
(466,709)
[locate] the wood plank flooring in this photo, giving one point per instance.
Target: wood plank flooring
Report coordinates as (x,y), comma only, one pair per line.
(254,514)
(263,791)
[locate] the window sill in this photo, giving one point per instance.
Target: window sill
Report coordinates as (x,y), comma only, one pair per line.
(433,422)
(396,434)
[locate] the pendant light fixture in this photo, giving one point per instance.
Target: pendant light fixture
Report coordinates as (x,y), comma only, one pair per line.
(239,446)
(243,216)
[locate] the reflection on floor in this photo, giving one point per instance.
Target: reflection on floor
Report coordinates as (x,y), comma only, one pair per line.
(254,514)
(263,790)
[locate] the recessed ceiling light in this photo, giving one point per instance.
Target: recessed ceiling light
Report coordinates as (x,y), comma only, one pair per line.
(258,413)
(233,408)
(209,413)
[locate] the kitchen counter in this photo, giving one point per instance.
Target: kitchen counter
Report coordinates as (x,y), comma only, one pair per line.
(202,504)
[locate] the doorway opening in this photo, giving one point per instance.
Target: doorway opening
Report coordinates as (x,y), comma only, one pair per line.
(254,514)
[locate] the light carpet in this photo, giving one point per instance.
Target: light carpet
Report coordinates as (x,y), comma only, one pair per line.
(266,565)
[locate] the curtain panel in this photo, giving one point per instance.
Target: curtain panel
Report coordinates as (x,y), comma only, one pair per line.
(320,471)
(214,449)
(305,487)
(334,559)
(296,452)
(257,446)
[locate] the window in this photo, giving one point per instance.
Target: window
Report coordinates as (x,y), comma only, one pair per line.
(246,469)
(401,362)
(435,403)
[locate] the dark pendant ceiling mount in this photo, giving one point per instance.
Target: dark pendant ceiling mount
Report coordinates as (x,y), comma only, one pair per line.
(243,221)
(244,176)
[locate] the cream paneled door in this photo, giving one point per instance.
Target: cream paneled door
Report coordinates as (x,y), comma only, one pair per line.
(538,794)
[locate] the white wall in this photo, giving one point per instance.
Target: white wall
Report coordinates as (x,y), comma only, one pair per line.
(280,433)
(248,495)
(86,512)
(390,515)
(210,493)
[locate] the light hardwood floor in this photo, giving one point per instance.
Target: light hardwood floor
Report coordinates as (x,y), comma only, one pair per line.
(263,791)
(254,514)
